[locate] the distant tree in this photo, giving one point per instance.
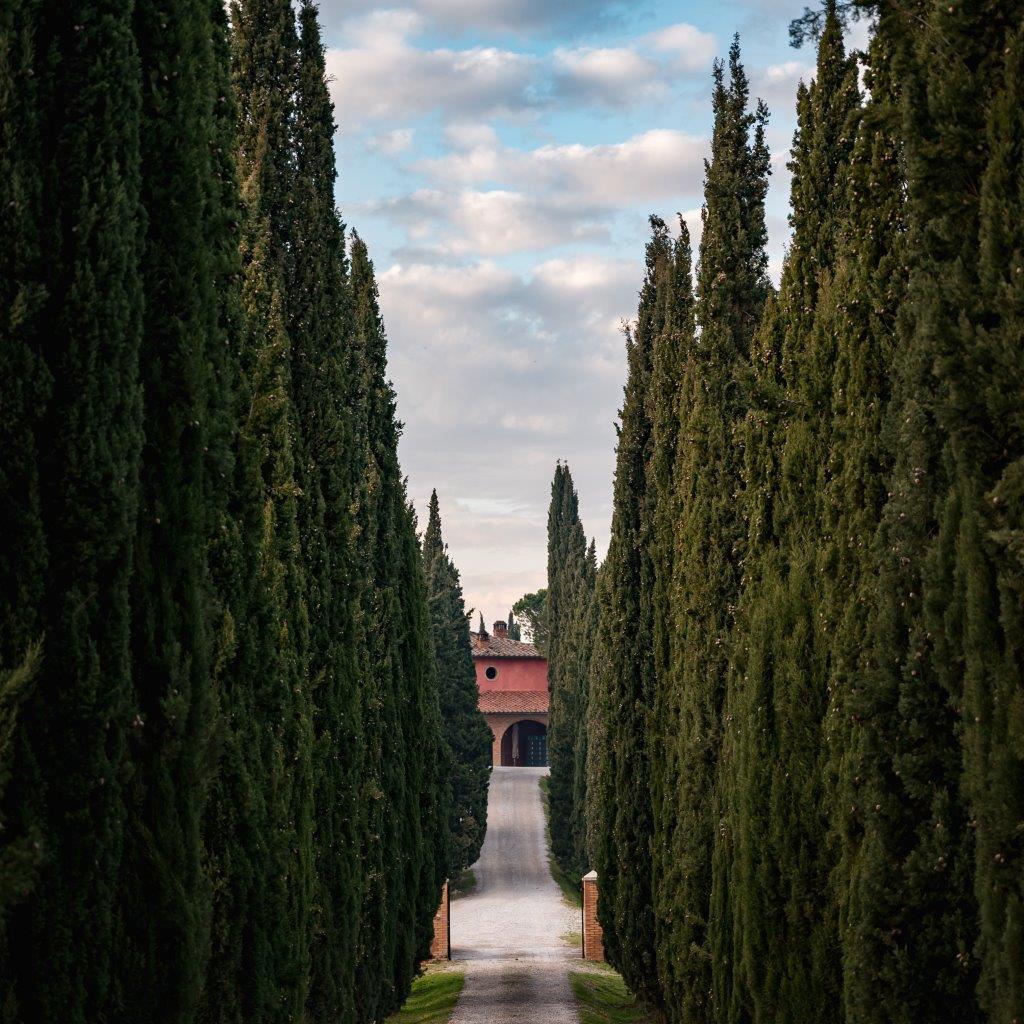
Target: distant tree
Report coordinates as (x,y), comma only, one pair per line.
(466,732)
(570,584)
(514,631)
(532,609)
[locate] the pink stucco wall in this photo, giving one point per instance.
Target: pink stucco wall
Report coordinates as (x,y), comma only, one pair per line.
(530,674)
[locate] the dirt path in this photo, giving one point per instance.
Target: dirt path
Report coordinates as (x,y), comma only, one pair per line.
(507,932)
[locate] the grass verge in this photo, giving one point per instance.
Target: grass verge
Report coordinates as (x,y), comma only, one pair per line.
(570,887)
(434,994)
(604,999)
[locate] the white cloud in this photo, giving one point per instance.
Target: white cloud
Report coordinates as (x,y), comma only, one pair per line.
(658,164)
(613,77)
(381,75)
(690,49)
(489,223)
(391,143)
(499,374)
(518,16)
(777,83)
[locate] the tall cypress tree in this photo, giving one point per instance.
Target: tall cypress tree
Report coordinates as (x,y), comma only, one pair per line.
(76,332)
(166,891)
(24,391)
(405,827)
(731,290)
(623,857)
(989,552)
(567,575)
(274,633)
(915,811)
(320,315)
(466,733)
(787,656)
(583,632)
(672,363)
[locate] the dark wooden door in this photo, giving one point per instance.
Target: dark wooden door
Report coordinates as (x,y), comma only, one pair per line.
(536,751)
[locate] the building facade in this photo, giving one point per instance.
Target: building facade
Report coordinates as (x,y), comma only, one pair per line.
(512,678)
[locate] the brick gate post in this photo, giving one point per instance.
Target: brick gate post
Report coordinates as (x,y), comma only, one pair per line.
(593,940)
(441,944)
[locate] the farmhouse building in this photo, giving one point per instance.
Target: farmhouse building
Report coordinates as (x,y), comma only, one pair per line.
(512,678)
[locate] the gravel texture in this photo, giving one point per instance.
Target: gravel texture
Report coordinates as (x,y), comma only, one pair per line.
(507,931)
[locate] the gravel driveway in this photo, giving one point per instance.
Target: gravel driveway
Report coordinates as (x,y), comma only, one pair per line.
(507,931)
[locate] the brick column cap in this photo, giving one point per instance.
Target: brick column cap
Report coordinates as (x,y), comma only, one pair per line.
(590,876)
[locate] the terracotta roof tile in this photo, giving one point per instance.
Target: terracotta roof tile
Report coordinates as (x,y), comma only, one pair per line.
(486,645)
(514,702)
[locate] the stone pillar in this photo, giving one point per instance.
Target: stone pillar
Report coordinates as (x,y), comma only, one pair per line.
(441,944)
(593,938)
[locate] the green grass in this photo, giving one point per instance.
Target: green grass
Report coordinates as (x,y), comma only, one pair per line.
(571,887)
(604,999)
(464,884)
(434,994)
(572,939)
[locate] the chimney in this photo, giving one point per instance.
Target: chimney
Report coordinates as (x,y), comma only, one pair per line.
(501,630)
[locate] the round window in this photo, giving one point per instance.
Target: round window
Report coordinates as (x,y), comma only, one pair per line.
(491,672)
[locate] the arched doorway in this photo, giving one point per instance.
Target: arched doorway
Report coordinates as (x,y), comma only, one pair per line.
(525,745)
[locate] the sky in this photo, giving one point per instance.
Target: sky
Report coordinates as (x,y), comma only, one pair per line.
(501,159)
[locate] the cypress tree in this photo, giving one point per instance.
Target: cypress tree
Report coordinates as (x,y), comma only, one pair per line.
(623,861)
(24,392)
(75,326)
(731,290)
(567,575)
(320,315)
(989,551)
(236,981)
(405,829)
(166,891)
(796,975)
(859,303)
(272,916)
(583,632)
(914,887)
(672,359)
(466,733)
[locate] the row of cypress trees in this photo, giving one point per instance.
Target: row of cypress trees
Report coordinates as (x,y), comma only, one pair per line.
(224,782)
(466,731)
(571,619)
(805,704)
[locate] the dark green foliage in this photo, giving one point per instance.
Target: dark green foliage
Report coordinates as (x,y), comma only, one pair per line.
(708,540)
(404,846)
(70,83)
(192,568)
(320,315)
(166,890)
(466,732)
(623,857)
(835,741)
(945,646)
(24,389)
(514,632)
(991,556)
(569,598)
(775,693)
